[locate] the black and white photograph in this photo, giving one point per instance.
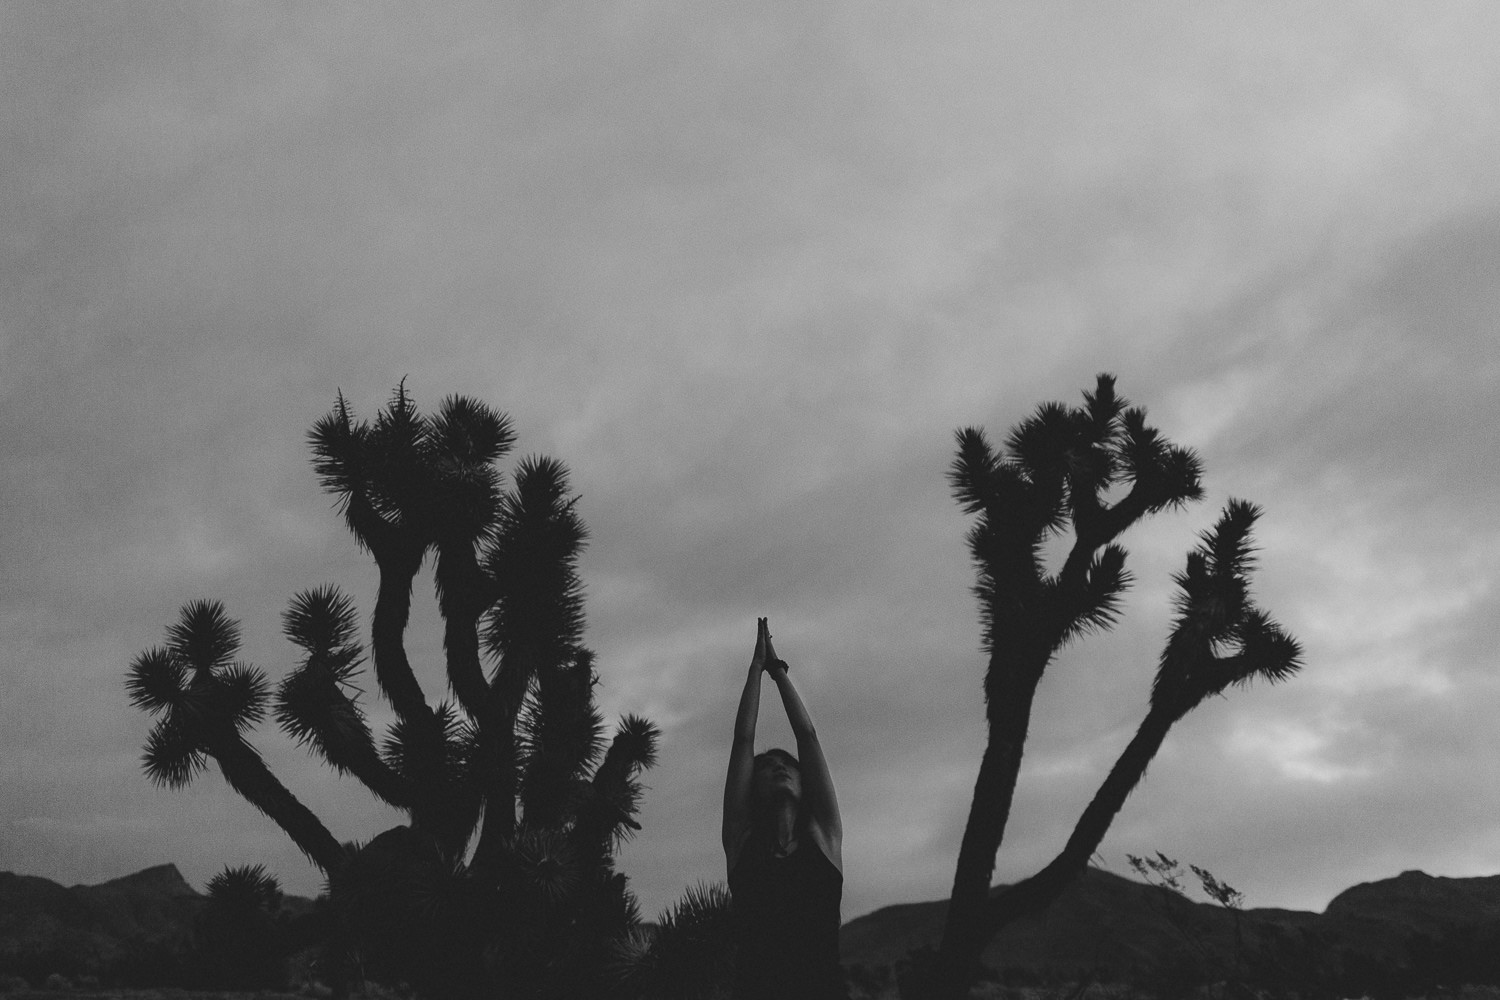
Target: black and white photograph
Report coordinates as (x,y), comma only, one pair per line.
(647,500)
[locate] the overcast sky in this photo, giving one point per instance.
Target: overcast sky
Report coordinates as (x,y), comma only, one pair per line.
(745,269)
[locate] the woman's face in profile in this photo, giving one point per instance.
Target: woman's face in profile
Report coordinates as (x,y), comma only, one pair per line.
(774,776)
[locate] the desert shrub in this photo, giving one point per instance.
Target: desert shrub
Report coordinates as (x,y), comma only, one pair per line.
(868,980)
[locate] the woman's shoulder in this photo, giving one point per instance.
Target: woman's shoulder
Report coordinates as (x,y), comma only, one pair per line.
(829,847)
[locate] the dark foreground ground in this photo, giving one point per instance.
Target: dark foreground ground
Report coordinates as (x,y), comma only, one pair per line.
(984,991)
(168,994)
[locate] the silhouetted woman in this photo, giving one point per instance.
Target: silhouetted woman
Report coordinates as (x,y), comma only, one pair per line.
(782,841)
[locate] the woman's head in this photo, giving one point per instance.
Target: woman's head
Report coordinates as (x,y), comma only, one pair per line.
(776,775)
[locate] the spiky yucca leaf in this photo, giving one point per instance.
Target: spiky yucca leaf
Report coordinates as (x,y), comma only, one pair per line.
(173,756)
(465,439)
(441,891)
(1228,547)
(1219,637)
(689,954)
(239,695)
(399,463)
(1107,580)
(561,734)
(320,620)
(615,791)
(307,705)
(339,453)
(545,866)
(1041,442)
(972,474)
(438,760)
(1166,475)
(157,680)
(312,703)
(420,751)
(470,432)
(702,905)
(1266,649)
(1103,409)
(204,636)
(635,743)
(245,889)
(313,708)
(533,560)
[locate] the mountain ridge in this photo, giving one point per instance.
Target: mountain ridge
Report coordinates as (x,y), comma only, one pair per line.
(1102,924)
(1121,925)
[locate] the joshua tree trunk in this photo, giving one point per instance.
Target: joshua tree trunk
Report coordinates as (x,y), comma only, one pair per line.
(1036,893)
(963,935)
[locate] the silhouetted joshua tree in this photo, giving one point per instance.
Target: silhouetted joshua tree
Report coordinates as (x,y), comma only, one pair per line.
(1058,470)
(504,876)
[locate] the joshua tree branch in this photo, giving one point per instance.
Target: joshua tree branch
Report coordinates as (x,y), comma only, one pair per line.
(248,775)
(464,591)
(398,567)
(354,752)
(497,727)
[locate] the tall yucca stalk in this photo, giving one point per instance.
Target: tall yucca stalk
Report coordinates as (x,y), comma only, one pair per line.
(1059,469)
(503,878)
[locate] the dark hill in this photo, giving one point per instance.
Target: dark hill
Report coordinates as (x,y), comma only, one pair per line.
(1124,928)
(45,927)
(1433,901)
(140,919)
(1102,921)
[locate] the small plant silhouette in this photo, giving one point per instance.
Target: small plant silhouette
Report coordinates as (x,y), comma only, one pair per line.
(1092,472)
(242,943)
(1206,962)
(503,878)
(688,955)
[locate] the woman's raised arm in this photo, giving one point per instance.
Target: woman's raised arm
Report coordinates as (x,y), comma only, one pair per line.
(742,753)
(819,802)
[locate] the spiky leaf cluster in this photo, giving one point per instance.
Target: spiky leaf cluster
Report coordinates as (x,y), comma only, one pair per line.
(687,955)
(203,699)
(1219,637)
(245,889)
(537,616)
(1093,470)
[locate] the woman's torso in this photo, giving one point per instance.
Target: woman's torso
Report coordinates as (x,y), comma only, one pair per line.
(786,912)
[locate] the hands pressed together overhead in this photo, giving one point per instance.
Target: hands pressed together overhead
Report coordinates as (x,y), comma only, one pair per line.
(765,656)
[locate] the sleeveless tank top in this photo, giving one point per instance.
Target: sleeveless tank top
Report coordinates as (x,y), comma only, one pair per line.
(786,920)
